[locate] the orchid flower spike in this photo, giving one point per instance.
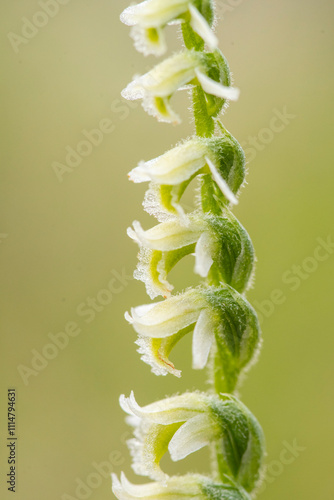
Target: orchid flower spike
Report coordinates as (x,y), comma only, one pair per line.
(149,18)
(188,487)
(222,248)
(157,86)
(212,313)
(184,424)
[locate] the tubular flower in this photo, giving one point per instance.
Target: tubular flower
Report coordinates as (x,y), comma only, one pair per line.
(222,157)
(215,312)
(149,18)
(184,424)
(188,487)
(188,67)
(221,246)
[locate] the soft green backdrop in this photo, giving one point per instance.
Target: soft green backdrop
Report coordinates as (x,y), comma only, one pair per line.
(61,241)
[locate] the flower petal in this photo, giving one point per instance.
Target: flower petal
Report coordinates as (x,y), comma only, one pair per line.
(200,25)
(193,435)
(169,316)
(203,337)
(214,88)
(169,410)
(222,184)
(173,167)
(203,254)
(153,13)
(169,235)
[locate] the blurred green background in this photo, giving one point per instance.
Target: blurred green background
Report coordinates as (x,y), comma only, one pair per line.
(63,238)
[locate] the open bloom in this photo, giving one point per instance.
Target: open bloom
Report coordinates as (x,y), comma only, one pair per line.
(184,424)
(221,247)
(188,487)
(158,85)
(209,313)
(148,19)
(222,157)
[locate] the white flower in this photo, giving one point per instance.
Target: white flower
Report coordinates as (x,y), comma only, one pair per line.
(183,424)
(165,244)
(148,19)
(221,241)
(211,313)
(161,325)
(188,487)
(181,163)
(158,85)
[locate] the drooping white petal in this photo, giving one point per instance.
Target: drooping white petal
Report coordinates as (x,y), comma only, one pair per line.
(203,257)
(170,316)
(167,236)
(153,13)
(193,435)
(214,88)
(203,337)
(222,184)
(200,25)
(173,167)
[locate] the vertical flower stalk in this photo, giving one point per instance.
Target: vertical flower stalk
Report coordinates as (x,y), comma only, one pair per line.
(225,330)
